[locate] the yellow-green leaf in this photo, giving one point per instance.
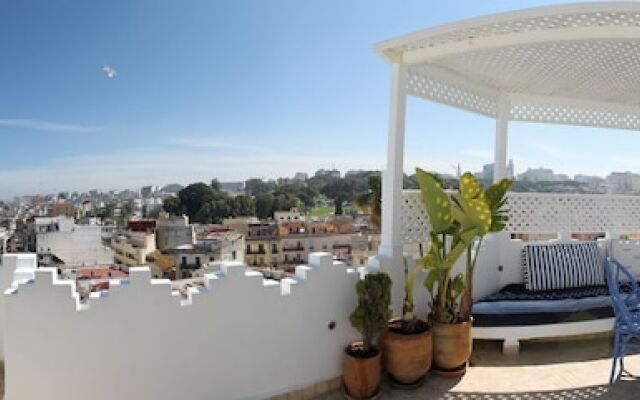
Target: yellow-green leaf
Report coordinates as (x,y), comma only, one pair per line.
(435,200)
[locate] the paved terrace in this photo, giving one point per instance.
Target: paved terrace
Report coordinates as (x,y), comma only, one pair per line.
(576,369)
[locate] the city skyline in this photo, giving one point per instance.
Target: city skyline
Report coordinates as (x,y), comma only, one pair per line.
(189,110)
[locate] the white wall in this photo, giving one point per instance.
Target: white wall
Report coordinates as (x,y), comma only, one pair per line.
(14,267)
(241,338)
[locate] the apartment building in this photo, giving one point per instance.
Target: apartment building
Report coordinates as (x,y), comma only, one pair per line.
(59,240)
(133,247)
(173,231)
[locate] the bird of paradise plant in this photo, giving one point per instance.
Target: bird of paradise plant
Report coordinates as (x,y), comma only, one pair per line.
(459,221)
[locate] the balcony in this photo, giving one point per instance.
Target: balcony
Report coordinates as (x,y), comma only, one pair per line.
(297,248)
(256,251)
(239,327)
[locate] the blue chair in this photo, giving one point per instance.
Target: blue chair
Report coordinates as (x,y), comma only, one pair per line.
(625,299)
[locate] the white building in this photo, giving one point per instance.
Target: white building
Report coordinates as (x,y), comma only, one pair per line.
(172,232)
(287,216)
(61,240)
(624,182)
(538,175)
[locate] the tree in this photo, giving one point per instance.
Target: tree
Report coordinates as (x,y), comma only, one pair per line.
(256,186)
(339,191)
(242,206)
(193,197)
(264,205)
(371,201)
(172,205)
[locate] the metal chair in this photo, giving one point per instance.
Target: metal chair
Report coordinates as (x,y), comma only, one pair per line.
(625,299)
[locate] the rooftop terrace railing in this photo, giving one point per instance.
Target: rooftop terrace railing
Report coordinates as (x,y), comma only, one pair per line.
(541,213)
(238,337)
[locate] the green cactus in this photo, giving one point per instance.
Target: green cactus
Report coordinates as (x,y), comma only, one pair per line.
(459,222)
(372,313)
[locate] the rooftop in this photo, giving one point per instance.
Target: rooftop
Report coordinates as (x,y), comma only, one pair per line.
(573,369)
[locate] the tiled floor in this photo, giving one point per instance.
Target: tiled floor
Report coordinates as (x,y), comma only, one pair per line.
(577,369)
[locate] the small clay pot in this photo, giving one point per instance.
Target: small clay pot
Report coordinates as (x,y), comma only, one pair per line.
(362,374)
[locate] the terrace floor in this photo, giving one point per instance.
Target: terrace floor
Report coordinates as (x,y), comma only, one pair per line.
(575,369)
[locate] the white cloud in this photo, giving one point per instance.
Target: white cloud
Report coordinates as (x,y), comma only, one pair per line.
(198,142)
(47,126)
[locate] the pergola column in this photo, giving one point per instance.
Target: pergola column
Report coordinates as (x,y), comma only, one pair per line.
(502,133)
(392,179)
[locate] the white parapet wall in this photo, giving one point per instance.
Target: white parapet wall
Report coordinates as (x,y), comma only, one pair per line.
(14,268)
(241,337)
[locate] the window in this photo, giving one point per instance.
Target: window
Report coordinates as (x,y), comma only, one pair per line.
(198,261)
(184,260)
(233,254)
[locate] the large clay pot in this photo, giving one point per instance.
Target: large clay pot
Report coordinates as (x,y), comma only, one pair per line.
(407,357)
(451,345)
(362,376)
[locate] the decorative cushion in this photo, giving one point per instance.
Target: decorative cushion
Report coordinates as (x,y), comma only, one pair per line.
(562,266)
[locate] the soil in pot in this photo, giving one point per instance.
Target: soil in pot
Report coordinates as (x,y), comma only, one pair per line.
(362,372)
(451,346)
(407,352)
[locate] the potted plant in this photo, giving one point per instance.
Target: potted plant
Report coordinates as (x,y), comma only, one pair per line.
(407,342)
(459,221)
(362,367)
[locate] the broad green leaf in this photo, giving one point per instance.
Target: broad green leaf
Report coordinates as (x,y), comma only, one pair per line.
(458,284)
(435,200)
(435,275)
(470,188)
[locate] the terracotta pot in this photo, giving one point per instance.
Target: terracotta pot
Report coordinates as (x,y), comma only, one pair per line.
(451,344)
(407,358)
(362,376)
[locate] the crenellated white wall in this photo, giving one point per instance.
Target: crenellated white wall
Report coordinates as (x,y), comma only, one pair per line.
(240,338)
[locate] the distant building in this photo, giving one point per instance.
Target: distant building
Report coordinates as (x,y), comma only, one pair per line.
(148,191)
(327,173)
(623,182)
(207,254)
(172,232)
(172,188)
(301,176)
(61,240)
(487,171)
(232,187)
(132,247)
(591,180)
(538,175)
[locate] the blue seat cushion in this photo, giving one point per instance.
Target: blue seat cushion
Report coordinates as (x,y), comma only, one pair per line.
(514,305)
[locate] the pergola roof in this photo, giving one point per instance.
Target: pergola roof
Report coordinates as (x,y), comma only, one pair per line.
(573,64)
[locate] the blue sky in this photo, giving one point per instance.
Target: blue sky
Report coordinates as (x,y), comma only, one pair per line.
(238,89)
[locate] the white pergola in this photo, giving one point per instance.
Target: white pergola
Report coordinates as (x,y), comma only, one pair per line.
(575,64)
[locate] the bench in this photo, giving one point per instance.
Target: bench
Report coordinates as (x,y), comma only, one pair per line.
(563,293)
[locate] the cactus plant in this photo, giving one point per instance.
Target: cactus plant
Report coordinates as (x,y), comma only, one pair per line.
(373,311)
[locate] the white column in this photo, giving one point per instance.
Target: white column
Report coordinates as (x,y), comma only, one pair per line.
(391,243)
(502,132)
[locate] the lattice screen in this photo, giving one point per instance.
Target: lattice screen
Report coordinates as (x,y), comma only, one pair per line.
(541,213)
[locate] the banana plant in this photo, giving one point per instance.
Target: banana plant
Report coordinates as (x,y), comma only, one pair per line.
(457,221)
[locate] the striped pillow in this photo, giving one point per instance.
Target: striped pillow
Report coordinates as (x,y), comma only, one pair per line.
(562,266)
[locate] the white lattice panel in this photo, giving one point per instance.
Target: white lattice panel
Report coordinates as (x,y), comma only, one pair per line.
(414,219)
(577,65)
(541,213)
(549,19)
(426,83)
